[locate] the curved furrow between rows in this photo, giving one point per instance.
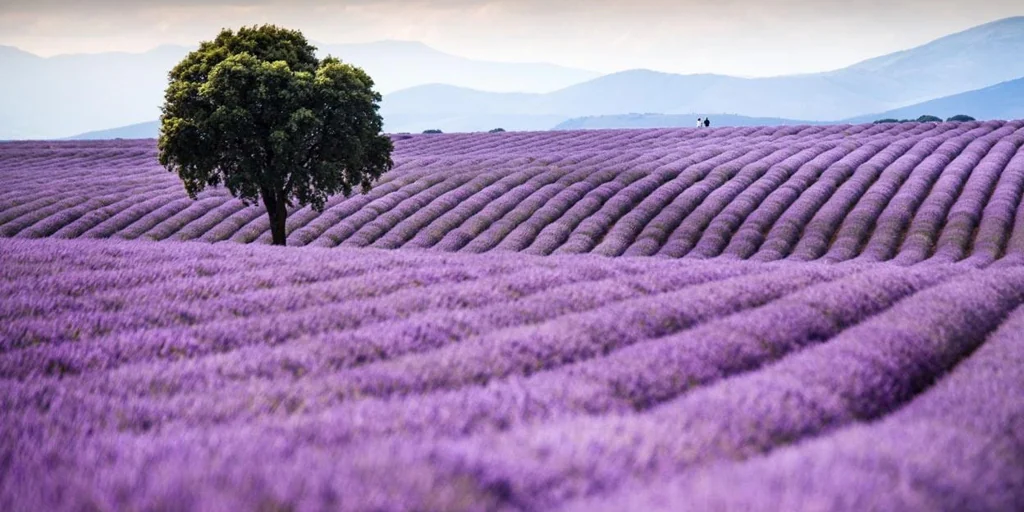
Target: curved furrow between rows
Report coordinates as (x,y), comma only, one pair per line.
(785,235)
(832,197)
(689,193)
(537,443)
(790,227)
(906,192)
(949,219)
(863,374)
(671,365)
(885,193)
(1000,213)
(927,195)
(954,447)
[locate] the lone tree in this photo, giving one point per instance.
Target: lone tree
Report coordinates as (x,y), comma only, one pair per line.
(256,111)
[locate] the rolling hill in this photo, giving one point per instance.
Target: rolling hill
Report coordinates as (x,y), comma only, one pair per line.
(581,182)
(147,130)
(1000,101)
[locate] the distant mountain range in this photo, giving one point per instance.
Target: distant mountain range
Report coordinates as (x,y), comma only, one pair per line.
(1001,101)
(147,130)
(61,95)
(40,103)
(979,57)
(396,65)
(57,96)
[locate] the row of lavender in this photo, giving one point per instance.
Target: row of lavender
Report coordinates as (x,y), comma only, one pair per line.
(907,192)
(147,376)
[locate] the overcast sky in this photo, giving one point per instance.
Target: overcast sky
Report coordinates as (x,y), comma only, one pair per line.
(739,37)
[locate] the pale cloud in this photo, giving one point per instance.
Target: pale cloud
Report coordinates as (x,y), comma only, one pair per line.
(745,37)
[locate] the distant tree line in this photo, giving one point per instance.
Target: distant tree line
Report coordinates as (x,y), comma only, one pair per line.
(435,131)
(959,118)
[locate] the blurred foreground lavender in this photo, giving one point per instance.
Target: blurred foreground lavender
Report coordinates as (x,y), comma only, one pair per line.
(192,376)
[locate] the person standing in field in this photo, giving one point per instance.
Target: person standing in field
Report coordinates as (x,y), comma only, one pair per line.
(707,123)
(700,122)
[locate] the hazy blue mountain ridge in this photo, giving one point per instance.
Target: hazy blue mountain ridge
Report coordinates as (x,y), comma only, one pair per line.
(1001,101)
(396,65)
(66,94)
(61,95)
(969,60)
(976,58)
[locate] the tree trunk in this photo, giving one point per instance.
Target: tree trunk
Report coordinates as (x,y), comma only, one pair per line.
(278,212)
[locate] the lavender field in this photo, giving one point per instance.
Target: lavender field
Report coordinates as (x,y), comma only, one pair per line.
(903,192)
(792,318)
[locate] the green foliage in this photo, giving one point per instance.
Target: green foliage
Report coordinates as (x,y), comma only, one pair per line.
(497,130)
(960,118)
(256,111)
(925,119)
(432,132)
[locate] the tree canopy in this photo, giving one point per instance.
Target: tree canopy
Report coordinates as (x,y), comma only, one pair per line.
(257,112)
